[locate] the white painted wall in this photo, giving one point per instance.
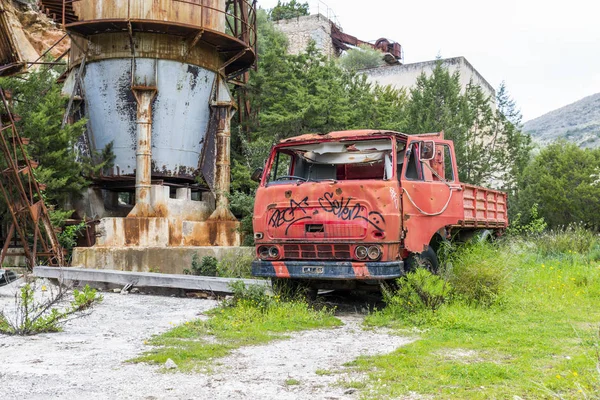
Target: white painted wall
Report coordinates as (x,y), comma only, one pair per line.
(405,76)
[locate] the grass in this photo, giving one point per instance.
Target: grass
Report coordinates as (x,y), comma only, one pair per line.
(230,326)
(538,338)
(292,382)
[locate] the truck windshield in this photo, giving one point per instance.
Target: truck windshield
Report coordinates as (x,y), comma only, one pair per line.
(334,161)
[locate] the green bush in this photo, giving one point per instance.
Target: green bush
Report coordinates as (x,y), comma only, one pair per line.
(236,266)
(418,291)
(594,254)
(479,273)
(242,206)
(208,266)
(536,225)
(253,295)
(573,239)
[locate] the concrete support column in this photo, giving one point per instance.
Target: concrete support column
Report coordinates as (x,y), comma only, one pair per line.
(223,164)
(143,174)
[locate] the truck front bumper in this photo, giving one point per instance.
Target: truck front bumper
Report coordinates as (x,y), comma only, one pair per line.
(328,270)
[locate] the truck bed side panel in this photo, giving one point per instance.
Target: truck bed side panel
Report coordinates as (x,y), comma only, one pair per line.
(483,208)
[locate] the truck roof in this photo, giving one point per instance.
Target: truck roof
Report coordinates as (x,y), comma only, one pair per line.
(353,134)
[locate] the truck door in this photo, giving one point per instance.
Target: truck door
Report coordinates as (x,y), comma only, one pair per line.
(431,192)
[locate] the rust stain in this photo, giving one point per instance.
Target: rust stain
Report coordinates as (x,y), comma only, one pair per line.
(175,234)
(338,191)
(131,227)
(161,211)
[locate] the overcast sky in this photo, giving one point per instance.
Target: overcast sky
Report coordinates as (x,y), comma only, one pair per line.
(547,52)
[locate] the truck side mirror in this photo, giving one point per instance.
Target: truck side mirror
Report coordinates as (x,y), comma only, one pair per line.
(427,150)
(257,175)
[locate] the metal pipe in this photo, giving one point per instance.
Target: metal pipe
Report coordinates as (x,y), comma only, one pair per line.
(143,173)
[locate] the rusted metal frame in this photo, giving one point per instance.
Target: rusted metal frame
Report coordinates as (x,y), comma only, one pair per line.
(11,232)
(76,86)
(202,6)
(233,29)
(17,183)
(50,49)
(233,59)
(194,42)
(16,223)
(46,63)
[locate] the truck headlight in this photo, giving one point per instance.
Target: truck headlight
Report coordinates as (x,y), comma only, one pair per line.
(263,252)
(274,252)
(361,252)
(374,253)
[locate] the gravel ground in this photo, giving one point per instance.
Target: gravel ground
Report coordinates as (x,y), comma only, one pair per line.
(87,359)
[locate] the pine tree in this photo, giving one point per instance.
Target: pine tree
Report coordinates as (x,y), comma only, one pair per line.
(39,103)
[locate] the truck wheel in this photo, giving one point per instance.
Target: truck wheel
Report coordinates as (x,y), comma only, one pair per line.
(427,259)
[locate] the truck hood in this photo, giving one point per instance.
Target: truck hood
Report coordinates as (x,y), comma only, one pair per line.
(326,211)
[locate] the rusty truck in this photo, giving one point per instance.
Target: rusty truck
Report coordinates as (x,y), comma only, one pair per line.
(355,208)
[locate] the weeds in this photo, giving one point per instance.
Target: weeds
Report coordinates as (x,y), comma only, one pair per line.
(480,273)
(418,291)
(251,317)
(573,239)
(514,324)
(33,315)
(230,266)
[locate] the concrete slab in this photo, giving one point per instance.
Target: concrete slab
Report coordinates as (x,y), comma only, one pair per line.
(144,279)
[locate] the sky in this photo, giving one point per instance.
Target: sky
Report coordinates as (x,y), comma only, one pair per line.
(547,52)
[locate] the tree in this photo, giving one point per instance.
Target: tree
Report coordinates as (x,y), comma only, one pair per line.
(490,148)
(561,181)
(362,57)
(509,139)
(289,10)
(41,106)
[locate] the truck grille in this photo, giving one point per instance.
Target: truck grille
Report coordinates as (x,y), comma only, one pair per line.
(317,252)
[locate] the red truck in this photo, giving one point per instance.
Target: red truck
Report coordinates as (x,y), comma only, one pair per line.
(358,207)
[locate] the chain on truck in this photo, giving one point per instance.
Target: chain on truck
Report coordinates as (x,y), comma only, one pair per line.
(354,208)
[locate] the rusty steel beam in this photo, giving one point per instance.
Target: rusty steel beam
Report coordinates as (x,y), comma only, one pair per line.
(20,189)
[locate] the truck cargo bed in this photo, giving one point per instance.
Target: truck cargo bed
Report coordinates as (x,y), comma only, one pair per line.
(484,208)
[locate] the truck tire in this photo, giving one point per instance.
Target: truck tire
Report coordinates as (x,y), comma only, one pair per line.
(427,259)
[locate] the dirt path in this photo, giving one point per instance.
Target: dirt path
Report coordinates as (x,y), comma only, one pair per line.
(87,359)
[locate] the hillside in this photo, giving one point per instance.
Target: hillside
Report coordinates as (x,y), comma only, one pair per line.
(578,122)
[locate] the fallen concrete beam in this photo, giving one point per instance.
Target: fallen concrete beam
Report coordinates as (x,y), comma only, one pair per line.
(144,279)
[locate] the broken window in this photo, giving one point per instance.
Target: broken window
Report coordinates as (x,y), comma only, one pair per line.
(336,161)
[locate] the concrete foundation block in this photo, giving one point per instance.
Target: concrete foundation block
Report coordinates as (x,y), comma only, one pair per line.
(171,260)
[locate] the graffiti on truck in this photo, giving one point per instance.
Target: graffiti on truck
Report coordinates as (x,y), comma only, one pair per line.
(290,215)
(343,210)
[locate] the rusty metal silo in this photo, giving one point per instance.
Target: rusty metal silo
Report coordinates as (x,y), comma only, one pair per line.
(151,77)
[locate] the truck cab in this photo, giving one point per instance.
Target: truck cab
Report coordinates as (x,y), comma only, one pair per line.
(359,207)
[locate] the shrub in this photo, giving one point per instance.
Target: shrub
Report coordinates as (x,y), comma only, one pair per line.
(571,239)
(32,316)
(536,225)
(594,254)
(236,266)
(253,295)
(208,266)
(418,291)
(479,273)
